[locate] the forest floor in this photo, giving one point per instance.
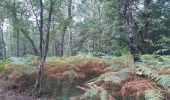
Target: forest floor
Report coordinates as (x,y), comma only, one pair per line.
(16,94)
(13,94)
(77,78)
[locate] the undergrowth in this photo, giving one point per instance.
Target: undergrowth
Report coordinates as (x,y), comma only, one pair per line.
(93,78)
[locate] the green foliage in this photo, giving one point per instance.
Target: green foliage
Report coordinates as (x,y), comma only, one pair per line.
(72,75)
(164,40)
(98,54)
(121,68)
(4,63)
(154,94)
(165,60)
(58,60)
(27,59)
(147,57)
(26,63)
(152,70)
(103,95)
(163,80)
(91,92)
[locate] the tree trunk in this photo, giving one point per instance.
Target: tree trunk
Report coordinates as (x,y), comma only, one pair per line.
(24,49)
(129,25)
(65,27)
(3,42)
(41,64)
(18,44)
(16,28)
(43,46)
(146,17)
(62,41)
(4,46)
(71,43)
(31,41)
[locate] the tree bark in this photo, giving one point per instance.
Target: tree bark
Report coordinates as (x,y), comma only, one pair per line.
(3,42)
(16,28)
(4,47)
(43,46)
(62,41)
(146,16)
(71,43)
(18,43)
(129,25)
(41,64)
(66,24)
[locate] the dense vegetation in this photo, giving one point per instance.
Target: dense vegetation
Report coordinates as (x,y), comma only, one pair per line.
(86,49)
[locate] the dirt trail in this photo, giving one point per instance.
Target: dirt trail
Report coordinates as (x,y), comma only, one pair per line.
(15,95)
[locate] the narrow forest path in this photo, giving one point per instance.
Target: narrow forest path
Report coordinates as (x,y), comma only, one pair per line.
(14,94)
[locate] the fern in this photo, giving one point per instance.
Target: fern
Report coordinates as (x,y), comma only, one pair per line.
(71,75)
(154,94)
(163,80)
(103,95)
(112,78)
(91,92)
(145,70)
(123,73)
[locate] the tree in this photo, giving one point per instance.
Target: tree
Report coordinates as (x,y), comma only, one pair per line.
(65,25)
(129,25)
(44,43)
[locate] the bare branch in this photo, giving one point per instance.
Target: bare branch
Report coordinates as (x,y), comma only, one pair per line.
(36,18)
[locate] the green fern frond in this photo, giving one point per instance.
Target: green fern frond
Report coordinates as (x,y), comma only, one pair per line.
(103,95)
(112,78)
(91,92)
(123,73)
(154,94)
(71,75)
(145,70)
(164,80)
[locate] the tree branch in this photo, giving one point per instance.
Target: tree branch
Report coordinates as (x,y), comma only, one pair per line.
(36,18)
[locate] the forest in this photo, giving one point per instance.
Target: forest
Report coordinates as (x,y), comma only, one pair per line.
(84,50)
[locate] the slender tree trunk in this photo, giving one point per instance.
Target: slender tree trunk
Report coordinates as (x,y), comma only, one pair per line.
(25,33)
(99,40)
(18,44)
(3,42)
(41,64)
(62,41)
(146,16)
(53,51)
(65,27)
(71,43)
(11,47)
(16,28)
(43,46)
(56,48)
(4,46)
(24,49)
